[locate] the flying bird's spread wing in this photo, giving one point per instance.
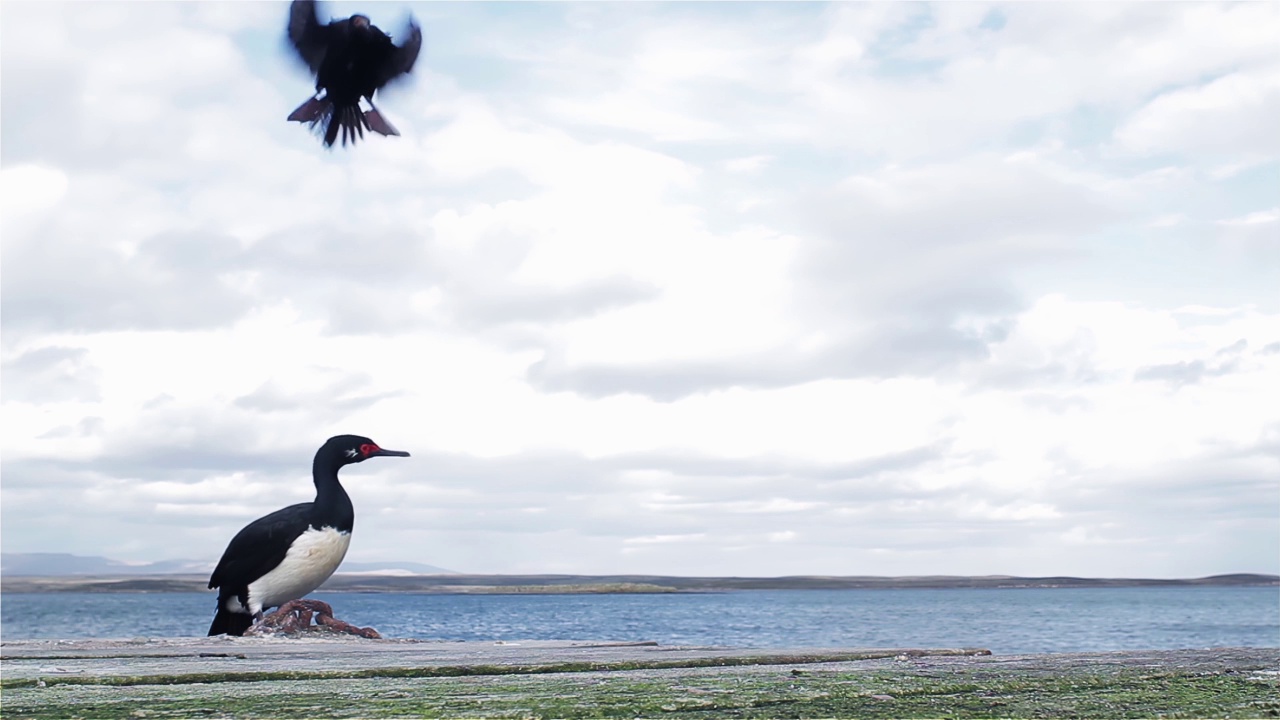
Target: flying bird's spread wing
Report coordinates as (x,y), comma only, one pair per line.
(399,60)
(308,36)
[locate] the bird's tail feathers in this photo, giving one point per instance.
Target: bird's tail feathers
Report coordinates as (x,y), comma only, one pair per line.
(230,623)
(324,116)
(346,119)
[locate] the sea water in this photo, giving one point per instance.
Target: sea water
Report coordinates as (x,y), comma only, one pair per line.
(1014,620)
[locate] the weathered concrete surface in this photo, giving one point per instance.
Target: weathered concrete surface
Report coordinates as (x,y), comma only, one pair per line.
(149,660)
(341,677)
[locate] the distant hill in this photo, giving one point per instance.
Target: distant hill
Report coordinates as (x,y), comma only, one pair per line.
(416,578)
(34,572)
(517,583)
(64,564)
(59,564)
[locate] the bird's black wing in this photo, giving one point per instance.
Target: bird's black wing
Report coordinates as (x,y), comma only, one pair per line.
(309,37)
(397,60)
(260,546)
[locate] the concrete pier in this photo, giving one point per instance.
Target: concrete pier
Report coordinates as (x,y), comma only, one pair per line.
(328,676)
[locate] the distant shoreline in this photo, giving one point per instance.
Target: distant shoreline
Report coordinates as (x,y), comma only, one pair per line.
(457,584)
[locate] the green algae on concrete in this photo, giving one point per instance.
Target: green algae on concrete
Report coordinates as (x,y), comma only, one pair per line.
(186,678)
(309,655)
(821,694)
(1212,683)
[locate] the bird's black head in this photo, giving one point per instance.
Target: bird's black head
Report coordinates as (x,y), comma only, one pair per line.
(348,449)
(359,22)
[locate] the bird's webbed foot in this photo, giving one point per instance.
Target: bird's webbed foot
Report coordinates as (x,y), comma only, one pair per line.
(309,111)
(294,617)
(333,624)
(377,123)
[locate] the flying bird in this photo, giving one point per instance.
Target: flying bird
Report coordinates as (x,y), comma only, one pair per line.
(351,59)
(282,556)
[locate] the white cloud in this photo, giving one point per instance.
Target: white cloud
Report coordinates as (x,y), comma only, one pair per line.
(1226,117)
(1255,236)
(846,289)
(1170,220)
(30,189)
(655,539)
(1260,217)
(751,164)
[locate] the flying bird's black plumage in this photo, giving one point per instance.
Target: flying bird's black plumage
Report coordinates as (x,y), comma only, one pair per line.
(284,555)
(351,59)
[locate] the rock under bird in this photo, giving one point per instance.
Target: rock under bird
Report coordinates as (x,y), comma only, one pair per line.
(282,556)
(351,59)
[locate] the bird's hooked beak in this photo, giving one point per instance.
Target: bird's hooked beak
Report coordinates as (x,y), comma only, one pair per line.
(368,451)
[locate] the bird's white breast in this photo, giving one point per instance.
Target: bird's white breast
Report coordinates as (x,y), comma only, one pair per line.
(312,558)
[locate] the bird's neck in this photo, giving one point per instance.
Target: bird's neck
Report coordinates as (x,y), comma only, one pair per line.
(332,507)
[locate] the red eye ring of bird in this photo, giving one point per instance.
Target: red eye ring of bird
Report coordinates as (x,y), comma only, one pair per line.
(368,450)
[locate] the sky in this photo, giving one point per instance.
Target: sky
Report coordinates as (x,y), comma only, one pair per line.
(675,288)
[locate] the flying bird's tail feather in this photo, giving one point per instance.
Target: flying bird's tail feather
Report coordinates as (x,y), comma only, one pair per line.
(349,120)
(345,120)
(229,623)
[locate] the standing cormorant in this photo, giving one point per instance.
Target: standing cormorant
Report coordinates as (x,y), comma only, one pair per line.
(282,556)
